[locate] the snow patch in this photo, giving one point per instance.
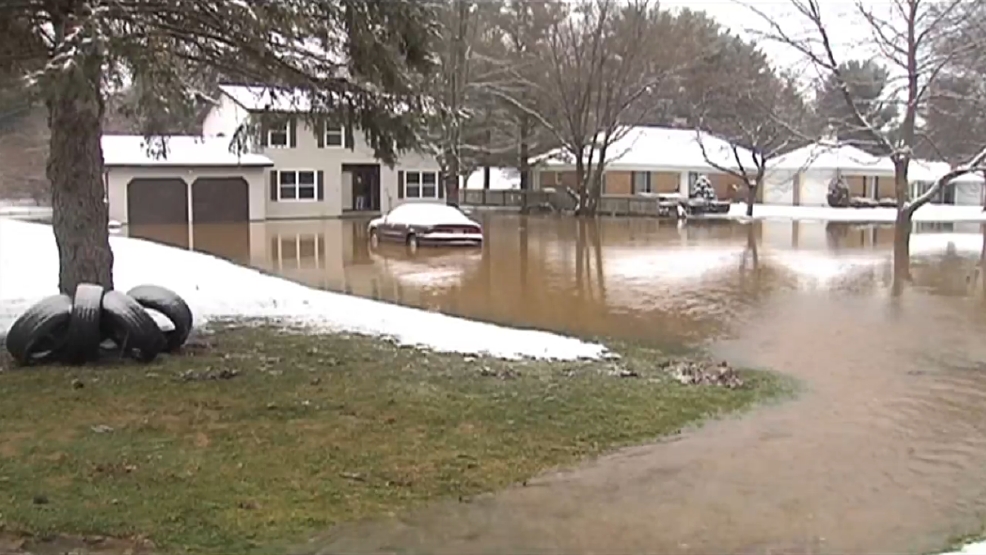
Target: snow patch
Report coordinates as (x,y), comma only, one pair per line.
(978,548)
(215,288)
(927,213)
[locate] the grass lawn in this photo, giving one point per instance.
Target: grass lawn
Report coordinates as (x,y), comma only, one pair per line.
(266,437)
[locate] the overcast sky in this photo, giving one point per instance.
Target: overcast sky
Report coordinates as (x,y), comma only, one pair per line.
(846,28)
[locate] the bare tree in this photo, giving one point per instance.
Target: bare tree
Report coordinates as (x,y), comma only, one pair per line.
(598,62)
(354,56)
(904,32)
(758,120)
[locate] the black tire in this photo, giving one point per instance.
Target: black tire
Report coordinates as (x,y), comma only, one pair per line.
(166,302)
(38,335)
(84,336)
(130,327)
(412,242)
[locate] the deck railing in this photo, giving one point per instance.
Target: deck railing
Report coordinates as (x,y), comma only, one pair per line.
(510,198)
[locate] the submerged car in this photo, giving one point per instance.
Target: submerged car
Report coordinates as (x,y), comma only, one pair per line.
(426,223)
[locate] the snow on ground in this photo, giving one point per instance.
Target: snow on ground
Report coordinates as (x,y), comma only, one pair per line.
(215,288)
(978,548)
(927,213)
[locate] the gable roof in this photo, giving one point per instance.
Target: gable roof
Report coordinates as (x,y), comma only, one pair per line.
(182,150)
(647,147)
(832,156)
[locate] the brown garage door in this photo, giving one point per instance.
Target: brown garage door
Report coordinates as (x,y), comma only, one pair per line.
(220,200)
(157,202)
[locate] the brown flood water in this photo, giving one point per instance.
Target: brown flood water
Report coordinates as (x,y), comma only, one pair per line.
(884,453)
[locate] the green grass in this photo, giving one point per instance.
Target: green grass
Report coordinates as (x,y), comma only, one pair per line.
(309,432)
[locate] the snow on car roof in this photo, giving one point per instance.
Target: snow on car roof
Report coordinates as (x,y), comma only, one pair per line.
(427,213)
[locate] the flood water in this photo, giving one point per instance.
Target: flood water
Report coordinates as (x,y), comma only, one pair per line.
(885,451)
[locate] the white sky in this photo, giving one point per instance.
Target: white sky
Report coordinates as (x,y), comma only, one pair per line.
(845,26)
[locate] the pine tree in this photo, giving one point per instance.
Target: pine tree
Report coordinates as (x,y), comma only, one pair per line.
(363,57)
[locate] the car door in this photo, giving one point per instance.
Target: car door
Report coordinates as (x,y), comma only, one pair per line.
(388,229)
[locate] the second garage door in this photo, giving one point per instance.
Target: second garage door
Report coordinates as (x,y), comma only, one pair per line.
(220,200)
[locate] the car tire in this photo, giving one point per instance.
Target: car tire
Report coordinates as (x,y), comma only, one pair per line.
(412,242)
(131,328)
(374,238)
(83,336)
(38,335)
(173,307)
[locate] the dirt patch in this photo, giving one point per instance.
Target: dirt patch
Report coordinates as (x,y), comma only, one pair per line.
(16,544)
(703,372)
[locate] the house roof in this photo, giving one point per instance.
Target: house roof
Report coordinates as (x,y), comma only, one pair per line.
(262,98)
(832,156)
(644,148)
(181,150)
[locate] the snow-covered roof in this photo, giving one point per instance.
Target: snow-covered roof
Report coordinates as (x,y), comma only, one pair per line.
(661,148)
(260,98)
(180,150)
(926,170)
(832,156)
(500,179)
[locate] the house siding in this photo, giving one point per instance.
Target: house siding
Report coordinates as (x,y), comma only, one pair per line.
(307,155)
(618,183)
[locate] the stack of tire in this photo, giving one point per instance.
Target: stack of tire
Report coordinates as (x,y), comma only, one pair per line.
(95,322)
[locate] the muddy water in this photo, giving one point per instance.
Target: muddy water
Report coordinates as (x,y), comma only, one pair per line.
(886,451)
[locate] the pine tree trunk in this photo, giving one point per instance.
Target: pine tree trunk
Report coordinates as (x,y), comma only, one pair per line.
(75,169)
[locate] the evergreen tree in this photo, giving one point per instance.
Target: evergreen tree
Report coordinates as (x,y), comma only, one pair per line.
(362,57)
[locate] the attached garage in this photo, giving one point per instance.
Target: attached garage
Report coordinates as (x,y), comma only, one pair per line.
(196,180)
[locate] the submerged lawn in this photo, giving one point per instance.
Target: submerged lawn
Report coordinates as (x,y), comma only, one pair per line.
(266,437)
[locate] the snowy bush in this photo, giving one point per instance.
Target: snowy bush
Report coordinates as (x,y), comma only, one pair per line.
(838,193)
(703,189)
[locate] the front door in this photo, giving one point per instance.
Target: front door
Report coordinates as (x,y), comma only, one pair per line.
(365,187)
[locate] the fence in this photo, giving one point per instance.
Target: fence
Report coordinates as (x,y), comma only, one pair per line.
(510,198)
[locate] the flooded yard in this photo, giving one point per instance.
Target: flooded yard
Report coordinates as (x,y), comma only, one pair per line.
(885,451)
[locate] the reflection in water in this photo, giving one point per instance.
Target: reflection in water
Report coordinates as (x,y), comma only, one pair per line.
(886,453)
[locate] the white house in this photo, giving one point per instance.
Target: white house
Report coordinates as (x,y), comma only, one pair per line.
(295,169)
(801,177)
(654,160)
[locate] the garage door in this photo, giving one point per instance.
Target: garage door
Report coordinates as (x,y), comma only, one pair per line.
(157,202)
(220,200)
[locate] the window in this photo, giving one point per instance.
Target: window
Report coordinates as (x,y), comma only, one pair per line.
(334,136)
(278,135)
(296,185)
(641,182)
(418,184)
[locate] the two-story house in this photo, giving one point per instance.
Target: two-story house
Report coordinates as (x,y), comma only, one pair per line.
(295,170)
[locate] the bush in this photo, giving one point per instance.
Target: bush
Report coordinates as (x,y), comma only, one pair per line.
(838,193)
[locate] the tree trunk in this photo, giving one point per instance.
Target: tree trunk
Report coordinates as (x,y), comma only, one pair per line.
(902,228)
(525,163)
(751,198)
(80,216)
(902,251)
(486,176)
(452,180)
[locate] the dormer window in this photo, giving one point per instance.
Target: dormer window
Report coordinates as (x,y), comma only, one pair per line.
(278,135)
